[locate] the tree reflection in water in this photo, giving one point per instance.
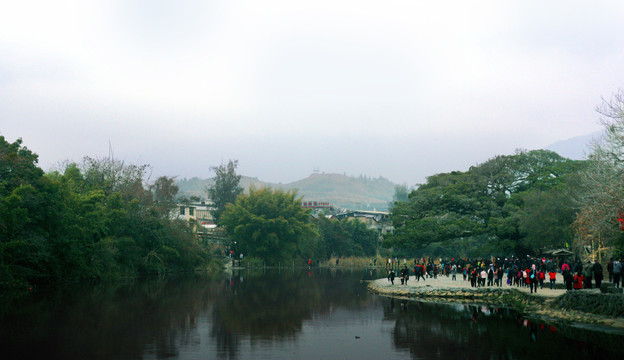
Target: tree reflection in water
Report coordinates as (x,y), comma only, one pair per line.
(443,331)
(273,308)
(313,314)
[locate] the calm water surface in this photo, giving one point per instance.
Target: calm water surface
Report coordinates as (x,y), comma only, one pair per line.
(287,314)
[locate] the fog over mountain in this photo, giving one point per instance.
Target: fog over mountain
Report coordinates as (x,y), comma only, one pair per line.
(342,191)
(576,148)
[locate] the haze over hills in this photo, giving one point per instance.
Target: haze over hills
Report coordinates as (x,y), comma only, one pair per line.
(342,191)
(362,192)
(576,148)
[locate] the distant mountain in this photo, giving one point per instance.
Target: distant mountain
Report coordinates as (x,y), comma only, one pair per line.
(198,187)
(576,148)
(356,193)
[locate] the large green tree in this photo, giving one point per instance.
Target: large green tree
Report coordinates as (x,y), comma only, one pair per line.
(495,204)
(225,189)
(268,224)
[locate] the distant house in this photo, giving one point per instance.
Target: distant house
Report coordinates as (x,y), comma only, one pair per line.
(376,220)
(199,213)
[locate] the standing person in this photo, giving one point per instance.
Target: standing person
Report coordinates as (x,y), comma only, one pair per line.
(610,269)
(404,274)
(490,276)
(617,272)
(552,275)
(565,267)
(568,279)
(525,278)
(473,277)
(418,272)
(587,275)
(578,281)
(578,267)
(533,278)
(483,277)
(391,276)
(454,272)
(598,273)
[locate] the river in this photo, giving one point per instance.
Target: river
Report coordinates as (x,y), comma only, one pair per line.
(279,314)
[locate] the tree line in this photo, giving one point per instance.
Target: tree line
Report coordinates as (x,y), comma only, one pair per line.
(99,219)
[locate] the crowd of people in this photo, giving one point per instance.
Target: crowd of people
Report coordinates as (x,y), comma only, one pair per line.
(531,272)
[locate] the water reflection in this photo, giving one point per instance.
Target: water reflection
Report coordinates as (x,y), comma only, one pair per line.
(106,322)
(273,308)
(441,331)
(304,314)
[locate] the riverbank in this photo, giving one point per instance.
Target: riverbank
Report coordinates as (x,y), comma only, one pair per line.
(557,305)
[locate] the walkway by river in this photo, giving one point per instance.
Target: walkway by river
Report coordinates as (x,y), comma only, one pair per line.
(443,288)
(446,282)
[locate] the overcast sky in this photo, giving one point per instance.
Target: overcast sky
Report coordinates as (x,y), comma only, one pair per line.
(399,89)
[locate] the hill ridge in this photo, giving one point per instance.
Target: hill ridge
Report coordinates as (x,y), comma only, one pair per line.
(343,191)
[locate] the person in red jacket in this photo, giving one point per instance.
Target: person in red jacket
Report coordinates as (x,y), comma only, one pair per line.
(553,278)
(541,276)
(578,281)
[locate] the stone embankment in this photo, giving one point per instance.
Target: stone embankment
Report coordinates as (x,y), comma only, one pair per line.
(588,306)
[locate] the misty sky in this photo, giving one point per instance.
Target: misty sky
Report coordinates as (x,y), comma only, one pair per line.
(400,89)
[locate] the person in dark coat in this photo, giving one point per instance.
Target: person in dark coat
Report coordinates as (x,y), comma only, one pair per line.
(533,278)
(568,278)
(404,275)
(598,274)
(391,276)
(578,267)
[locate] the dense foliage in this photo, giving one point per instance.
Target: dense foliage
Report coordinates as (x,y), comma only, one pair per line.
(272,226)
(345,238)
(93,221)
(268,224)
(510,204)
